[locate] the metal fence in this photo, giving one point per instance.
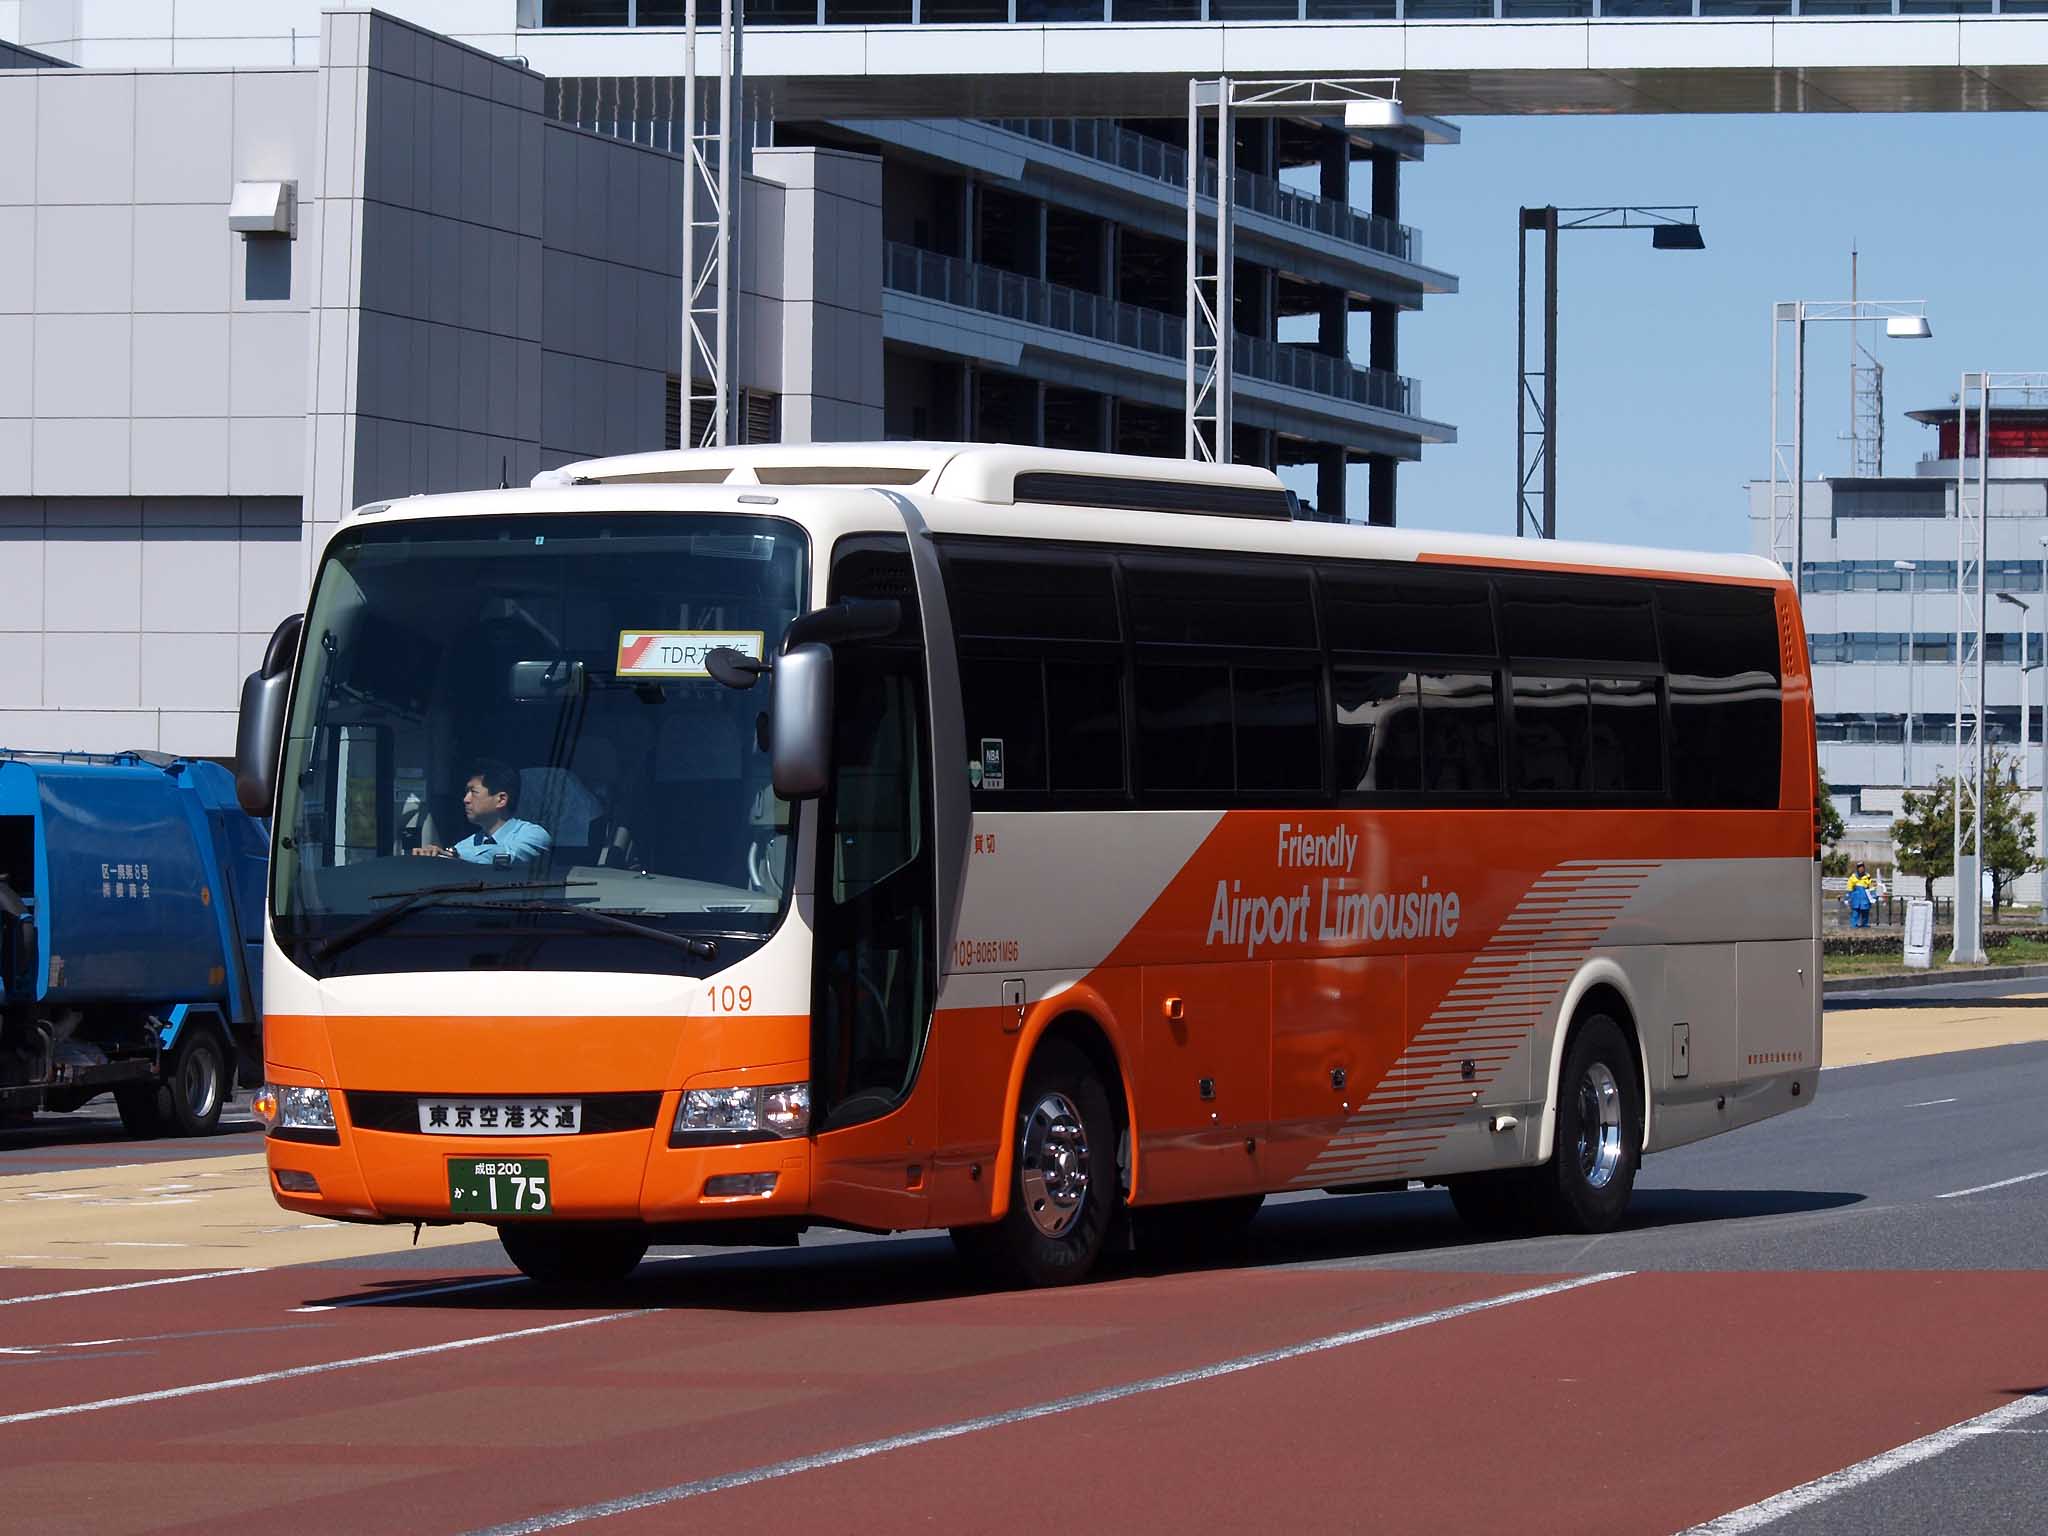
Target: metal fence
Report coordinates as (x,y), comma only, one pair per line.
(1032,301)
(1156,160)
(1886,911)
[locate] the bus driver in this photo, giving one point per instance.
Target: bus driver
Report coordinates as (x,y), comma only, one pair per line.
(500,837)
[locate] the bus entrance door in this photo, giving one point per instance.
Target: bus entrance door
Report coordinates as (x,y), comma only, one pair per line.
(874,938)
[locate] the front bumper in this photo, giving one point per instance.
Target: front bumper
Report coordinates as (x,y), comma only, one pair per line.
(382,1175)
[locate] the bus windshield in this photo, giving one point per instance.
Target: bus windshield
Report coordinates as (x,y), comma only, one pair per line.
(504,726)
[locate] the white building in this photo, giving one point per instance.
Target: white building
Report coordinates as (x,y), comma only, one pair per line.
(1881,618)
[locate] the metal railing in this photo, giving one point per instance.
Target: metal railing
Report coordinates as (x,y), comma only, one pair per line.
(1156,160)
(829,13)
(1032,301)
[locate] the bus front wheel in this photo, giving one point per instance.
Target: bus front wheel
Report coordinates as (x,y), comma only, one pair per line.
(1598,1147)
(574,1253)
(1063,1178)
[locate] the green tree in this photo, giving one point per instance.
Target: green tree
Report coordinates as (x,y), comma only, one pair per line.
(1831,827)
(2008,831)
(1924,835)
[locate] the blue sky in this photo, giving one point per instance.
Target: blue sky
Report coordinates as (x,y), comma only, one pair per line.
(1664,357)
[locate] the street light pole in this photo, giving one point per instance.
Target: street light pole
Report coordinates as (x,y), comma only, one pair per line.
(2027,667)
(1903,318)
(1672,227)
(2041,813)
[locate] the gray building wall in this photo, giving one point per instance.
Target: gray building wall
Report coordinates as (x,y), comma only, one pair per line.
(472,293)
(815,223)
(151,412)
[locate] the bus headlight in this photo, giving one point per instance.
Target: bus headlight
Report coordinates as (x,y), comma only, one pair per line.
(741,1114)
(302,1109)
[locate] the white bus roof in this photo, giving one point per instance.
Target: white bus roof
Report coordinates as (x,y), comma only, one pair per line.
(986,472)
(973,489)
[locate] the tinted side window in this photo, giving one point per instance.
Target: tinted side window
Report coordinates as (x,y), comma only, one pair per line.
(1015,593)
(1184,741)
(1727,723)
(1219,602)
(1420,614)
(1379,731)
(1627,741)
(1550,735)
(1460,733)
(1085,706)
(1277,715)
(1398,732)
(1041,670)
(1579,621)
(1004,700)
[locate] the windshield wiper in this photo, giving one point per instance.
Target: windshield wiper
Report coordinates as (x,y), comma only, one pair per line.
(405,901)
(703,949)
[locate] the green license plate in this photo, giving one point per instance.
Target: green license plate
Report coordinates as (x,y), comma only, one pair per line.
(499,1186)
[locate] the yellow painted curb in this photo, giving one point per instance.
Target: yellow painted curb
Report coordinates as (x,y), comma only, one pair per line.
(204,1213)
(1852,1036)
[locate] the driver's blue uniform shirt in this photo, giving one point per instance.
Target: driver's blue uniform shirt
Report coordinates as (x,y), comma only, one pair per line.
(516,841)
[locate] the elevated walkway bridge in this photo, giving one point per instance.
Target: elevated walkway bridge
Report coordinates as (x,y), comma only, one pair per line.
(1498,57)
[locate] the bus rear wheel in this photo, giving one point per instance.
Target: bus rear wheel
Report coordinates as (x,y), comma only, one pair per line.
(1598,1148)
(1064,1183)
(574,1253)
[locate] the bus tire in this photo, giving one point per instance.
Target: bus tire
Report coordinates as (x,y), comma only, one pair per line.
(142,1109)
(1064,1183)
(1494,1204)
(1195,1229)
(198,1083)
(1598,1147)
(574,1254)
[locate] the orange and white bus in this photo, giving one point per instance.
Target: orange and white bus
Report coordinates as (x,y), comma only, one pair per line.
(1050,847)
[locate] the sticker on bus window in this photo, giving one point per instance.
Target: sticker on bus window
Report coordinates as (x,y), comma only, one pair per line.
(991,762)
(681,652)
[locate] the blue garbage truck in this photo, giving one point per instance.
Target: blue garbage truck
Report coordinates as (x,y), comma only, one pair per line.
(131,937)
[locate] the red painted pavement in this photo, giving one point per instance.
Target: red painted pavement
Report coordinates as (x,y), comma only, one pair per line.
(1641,1404)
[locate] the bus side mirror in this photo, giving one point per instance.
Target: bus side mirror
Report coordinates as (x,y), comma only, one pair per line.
(800,740)
(259,733)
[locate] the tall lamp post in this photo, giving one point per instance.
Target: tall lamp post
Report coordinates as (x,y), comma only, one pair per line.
(2026,725)
(2026,667)
(1906,568)
(1209,334)
(1903,318)
(1672,227)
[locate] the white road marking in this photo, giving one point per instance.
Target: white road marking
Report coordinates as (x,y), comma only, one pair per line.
(780,1469)
(1978,1189)
(1930,1103)
(201,1388)
(130,1285)
(1821,1489)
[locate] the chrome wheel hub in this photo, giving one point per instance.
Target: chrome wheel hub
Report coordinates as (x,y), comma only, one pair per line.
(1599,1145)
(1053,1160)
